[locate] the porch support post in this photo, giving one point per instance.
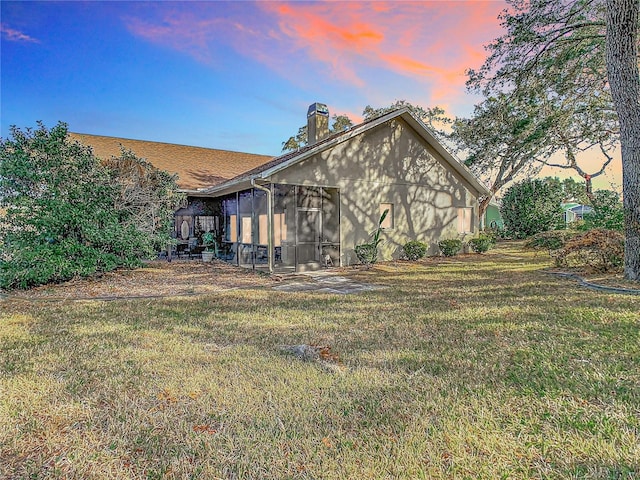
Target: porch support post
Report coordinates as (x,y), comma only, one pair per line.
(270,233)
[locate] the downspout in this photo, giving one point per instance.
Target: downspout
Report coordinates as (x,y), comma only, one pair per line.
(269,222)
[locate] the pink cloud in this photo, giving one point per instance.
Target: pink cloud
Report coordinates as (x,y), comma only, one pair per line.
(431,43)
(435,41)
(15,35)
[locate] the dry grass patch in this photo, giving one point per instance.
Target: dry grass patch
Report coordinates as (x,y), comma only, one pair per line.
(157,278)
(474,367)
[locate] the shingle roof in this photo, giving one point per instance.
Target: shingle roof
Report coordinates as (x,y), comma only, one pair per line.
(196,167)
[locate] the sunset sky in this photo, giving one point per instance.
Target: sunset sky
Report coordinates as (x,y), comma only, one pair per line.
(233,75)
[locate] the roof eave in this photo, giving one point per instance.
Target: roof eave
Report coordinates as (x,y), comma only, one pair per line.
(231,186)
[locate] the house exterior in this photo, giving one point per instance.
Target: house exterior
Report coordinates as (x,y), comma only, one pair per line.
(493,217)
(574,212)
(308,209)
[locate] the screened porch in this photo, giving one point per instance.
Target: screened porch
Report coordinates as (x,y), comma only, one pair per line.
(304,227)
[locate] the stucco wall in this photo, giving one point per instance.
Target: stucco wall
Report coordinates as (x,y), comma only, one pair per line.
(388,164)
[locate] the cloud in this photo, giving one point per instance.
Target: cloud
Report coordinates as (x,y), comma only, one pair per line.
(13,35)
(349,44)
(429,42)
(182,31)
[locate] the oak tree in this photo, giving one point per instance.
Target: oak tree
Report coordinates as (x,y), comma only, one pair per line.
(550,95)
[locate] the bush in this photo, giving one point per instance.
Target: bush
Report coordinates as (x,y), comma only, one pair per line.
(492,234)
(367,253)
(608,212)
(414,250)
(552,240)
(450,247)
(481,244)
(67,214)
(599,250)
(530,207)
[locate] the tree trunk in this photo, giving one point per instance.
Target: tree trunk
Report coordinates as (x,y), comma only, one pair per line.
(624,80)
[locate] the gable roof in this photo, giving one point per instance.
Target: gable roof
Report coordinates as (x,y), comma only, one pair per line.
(196,167)
(284,161)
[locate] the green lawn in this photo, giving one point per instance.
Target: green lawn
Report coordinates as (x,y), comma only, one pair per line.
(474,367)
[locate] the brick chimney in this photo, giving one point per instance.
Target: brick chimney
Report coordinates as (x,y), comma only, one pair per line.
(317,122)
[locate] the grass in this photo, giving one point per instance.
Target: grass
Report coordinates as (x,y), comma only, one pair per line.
(472,367)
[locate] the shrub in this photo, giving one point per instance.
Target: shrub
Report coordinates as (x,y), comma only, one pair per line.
(599,250)
(481,244)
(530,207)
(608,212)
(552,240)
(414,250)
(367,253)
(67,214)
(450,247)
(492,234)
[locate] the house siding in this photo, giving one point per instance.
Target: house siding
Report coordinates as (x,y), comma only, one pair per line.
(388,164)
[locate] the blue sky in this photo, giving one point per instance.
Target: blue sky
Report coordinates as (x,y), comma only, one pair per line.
(236,75)
(232,75)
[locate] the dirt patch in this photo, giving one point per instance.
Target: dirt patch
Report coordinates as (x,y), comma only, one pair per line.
(156,278)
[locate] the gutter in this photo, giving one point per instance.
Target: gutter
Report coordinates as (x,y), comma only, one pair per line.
(270,232)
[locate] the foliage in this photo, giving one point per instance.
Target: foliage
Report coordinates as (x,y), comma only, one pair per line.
(550,240)
(434,118)
(500,140)
(209,241)
(147,197)
(607,213)
(570,71)
(495,233)
(297,141)
(481,244)
(530,207)
(450,247)
(572,190)
(599,250)
(414,250)
(546,94)
(367,253)
(492,234)
(66,213)
(339,123)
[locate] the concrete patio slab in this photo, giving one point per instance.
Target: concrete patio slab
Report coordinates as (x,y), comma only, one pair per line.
(327,282)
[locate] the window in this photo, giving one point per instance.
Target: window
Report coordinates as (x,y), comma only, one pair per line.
(233,229)
(262,230)
(230,216)
(245,228)
(464,220)
(280,229)
(388,221)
